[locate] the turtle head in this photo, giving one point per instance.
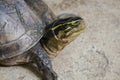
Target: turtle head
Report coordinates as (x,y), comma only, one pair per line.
(60,33)
(68,29)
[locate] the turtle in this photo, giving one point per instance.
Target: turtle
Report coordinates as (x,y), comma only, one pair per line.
(31,33)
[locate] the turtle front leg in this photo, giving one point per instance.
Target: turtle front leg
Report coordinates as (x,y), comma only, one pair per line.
(43,63)
(47,72)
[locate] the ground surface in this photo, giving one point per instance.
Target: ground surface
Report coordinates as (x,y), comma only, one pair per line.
(94,55)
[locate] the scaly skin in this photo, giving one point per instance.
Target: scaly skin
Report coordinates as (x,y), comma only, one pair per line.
(60,33)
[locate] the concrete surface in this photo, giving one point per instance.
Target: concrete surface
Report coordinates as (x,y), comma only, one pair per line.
(94,55)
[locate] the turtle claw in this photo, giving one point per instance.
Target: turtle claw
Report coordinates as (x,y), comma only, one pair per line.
(49,75)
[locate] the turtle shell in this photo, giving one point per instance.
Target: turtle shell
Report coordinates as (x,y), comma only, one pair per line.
(20,27)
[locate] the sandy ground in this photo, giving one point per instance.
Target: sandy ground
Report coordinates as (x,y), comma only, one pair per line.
(94,55)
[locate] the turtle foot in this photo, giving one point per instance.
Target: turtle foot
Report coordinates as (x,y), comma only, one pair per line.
(49,75)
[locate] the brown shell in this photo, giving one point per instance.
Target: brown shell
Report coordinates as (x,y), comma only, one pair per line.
(20,26)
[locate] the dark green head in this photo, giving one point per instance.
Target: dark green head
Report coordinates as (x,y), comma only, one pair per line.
(68,29)
(60,33)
